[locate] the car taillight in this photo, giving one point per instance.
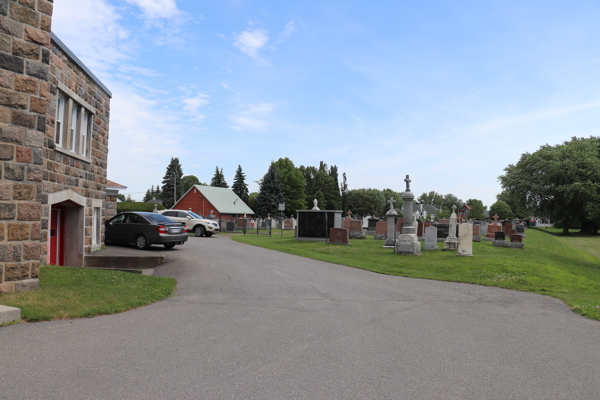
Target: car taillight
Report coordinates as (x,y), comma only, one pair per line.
(185,229)
(162,229)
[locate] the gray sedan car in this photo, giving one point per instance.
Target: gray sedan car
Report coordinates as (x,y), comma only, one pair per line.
(145,229)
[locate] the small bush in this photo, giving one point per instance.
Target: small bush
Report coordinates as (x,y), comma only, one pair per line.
(135,206)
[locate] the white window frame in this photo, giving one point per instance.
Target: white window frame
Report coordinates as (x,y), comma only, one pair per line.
(96,225)
(74,124)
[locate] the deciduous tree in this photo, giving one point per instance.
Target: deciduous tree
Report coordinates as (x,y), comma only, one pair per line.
(561,182)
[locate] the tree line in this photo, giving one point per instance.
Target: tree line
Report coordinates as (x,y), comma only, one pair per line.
(559,182)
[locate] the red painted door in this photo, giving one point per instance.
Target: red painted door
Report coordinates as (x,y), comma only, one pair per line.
(54,237)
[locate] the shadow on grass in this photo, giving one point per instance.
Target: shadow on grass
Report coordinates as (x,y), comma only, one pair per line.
(556,232)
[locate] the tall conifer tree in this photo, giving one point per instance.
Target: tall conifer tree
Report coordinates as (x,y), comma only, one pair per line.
(239,184)
(172,188)
(271,193)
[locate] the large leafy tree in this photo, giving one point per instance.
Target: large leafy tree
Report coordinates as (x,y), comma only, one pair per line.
(253,201)
(239,186)
(433,198)
(321,184)
(477,208)
(562,182)
(366,201)
(450,200)
(501,209)
(189,181)
(218,179)
(172,187)
(514,202)
(293,185)
(271,193)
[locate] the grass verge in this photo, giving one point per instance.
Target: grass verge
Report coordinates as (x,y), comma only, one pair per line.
(567,268)
(67,293)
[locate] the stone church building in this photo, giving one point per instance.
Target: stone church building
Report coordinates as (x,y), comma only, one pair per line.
(54,120)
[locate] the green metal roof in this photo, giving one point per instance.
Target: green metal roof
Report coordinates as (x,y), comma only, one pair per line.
(224,200)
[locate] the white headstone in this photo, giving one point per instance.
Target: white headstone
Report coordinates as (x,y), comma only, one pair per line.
(465,240)
(431,238)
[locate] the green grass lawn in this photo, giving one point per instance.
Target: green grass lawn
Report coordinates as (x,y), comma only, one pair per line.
(567,268)
(78,293)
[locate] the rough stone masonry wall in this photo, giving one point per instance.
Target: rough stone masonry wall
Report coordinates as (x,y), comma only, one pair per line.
(62,171)
(24,57)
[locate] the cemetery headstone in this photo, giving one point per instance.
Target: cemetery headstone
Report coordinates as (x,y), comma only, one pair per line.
(408,243)
(399,224)
(516,238)
(381,230)
(507,228)
(372,224)
(500,235)
(315,224)
(390,216)
(476,233)
(338,236)
(355,229)
(484,229)
(431,238)
(420,229)
(451,242)
(465,240)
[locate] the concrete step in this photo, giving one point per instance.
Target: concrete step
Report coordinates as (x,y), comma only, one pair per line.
(9,314)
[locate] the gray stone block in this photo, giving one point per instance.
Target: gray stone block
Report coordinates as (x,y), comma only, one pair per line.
(408,244)
(9,314)
(477,238)
(27,284)
(380,236)
(511,245)
(356,234)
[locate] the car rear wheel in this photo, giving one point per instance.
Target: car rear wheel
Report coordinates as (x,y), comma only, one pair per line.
(199,231)
(169,245)
(141,242)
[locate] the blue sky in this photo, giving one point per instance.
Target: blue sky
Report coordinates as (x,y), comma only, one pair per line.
(448,92)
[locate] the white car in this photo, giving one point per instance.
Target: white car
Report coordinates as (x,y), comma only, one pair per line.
(194,222)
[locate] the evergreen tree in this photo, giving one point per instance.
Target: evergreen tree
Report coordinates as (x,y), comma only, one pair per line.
(157,193)
(147,196)
(218,179)
(239,184)
(271,193)
(172,188)
(293,185)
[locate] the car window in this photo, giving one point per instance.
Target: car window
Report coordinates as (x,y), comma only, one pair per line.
(118,219)
(182,214)
(193,214)
(157,218)
(170,213)
(134,219)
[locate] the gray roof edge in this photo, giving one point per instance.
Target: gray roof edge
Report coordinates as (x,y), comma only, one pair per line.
(80,63)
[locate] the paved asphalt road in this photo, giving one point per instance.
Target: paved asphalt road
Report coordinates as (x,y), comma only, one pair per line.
(249,323)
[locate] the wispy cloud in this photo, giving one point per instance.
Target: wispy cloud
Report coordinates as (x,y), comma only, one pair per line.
(252,117)
(251,41)
(157,9)
(125,68)
(192,104)
(91,29)
(287,32)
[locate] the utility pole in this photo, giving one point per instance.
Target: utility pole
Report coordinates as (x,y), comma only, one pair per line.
(174,189)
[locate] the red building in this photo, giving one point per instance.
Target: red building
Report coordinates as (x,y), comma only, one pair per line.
(223,203)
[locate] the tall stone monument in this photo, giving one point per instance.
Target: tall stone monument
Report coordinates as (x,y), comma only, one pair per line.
(408,243)
(451,242)
(390,216)
(465,240)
